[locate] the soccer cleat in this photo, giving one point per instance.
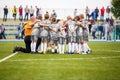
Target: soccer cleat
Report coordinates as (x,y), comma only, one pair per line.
(15,49)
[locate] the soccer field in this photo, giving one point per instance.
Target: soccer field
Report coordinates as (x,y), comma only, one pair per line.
(102,64)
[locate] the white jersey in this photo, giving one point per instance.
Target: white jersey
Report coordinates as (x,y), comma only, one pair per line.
(71,27)
(55,27)
(35,31)
(44,32)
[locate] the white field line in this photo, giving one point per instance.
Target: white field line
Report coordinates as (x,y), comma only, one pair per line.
(1,60)
(53,59)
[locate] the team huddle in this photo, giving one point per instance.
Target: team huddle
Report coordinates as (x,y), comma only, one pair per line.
(60,36)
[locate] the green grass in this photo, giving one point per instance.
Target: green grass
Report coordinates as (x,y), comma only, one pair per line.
(102,64)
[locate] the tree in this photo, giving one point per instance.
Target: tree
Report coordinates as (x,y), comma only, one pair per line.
(115,9)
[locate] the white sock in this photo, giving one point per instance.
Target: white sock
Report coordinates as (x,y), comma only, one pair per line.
(45,47)
(73,47)
(62,46)
(87,46)
(76,46)
(69,47)
(32,47)
(84,48)
(80,47)
(41,47)
(59,45)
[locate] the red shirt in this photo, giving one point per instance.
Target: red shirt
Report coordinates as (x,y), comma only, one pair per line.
(102,10)
(20,11)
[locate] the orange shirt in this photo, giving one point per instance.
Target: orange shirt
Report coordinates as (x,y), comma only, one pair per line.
(28,28)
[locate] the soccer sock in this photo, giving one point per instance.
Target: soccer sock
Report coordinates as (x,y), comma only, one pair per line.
(69,47)
(32,47)
(87,46)
(73,47)
(80,48)
(76,46)
(45,47)
(59,45)
(62,46)
(41,47)
(84,48)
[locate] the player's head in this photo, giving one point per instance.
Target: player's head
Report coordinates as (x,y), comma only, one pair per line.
(81,16)
(69,18)
(46,16)
(39,17)
(53,19)
(77,18)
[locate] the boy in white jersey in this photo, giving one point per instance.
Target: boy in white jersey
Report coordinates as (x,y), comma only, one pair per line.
(44,34)
(71,35)
(35,34)
(79,35)
(61,37)
(86,48)
(54,35)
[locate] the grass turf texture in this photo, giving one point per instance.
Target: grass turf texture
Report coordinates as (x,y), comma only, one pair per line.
(102,64)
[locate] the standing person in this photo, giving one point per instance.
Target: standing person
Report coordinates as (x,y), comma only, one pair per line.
(28,30)
(20,28)
(86,48)
(71,34)
(14,11)
(94,29)
(108,10)
(75,12)
(97,12)
(26,13)
(87,12)
(5,13)
(45,34)
(20,13)
(31,11)
(3,31)
(37,11)
(79,33)
(102,11)
(53,34)
(61,37)
(93,14)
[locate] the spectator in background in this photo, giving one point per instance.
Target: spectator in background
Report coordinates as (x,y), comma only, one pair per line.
(87,11)
(100,28)
(14,11)
(53,14)
(108,10)
(26,13)
(75,12)
(37,11)
(94,29)
(31,11)
(102,11)
(97,12)
(20,13)
(2,31)
(5,13)
(93,15)
(20,29)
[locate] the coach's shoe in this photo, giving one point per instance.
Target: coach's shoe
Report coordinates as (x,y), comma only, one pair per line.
(15,49)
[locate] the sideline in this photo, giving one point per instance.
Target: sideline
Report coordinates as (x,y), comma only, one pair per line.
(62,59)
(1,60)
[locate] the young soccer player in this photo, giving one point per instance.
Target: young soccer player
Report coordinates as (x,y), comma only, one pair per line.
(53,35)
(45,34)
(71,34)
(61,37)
(79,34)
(35,34)
(86,48)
